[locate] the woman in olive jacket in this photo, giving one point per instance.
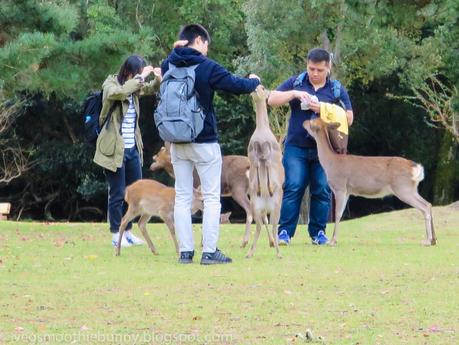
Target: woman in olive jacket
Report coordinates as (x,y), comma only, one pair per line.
(119,145)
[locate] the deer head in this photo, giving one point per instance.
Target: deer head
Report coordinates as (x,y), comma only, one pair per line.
(161,160)
(315,125)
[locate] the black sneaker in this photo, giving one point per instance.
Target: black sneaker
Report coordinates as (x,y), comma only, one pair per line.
(214,258)
(186,257)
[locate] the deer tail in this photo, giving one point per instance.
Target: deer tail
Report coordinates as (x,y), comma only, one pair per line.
(417,173)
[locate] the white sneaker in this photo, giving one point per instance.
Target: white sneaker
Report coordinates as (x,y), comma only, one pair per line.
(124,241)
(132,239)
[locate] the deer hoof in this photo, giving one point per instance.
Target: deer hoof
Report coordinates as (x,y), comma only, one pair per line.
(427,243)
(332,243)
(271,244)
(279,256)
(244,243)
(248,256)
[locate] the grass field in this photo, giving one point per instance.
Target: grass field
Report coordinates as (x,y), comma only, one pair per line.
(60,283)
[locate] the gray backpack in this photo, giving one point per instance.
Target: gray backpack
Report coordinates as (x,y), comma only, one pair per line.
(179,117)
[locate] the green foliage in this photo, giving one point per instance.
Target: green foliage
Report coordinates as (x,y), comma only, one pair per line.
(58,17)
(53,52)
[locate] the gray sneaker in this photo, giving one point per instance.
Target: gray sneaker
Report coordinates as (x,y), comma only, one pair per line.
(186,257)
(215,258)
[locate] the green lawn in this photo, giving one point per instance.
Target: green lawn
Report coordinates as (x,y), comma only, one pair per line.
(60,283)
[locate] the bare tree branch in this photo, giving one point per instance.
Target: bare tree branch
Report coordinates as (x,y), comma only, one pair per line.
(13,159)
(435,97)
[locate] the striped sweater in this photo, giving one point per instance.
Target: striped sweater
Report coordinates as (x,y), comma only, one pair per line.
(128,125)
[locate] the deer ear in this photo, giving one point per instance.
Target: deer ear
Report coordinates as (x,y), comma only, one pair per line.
(333,125)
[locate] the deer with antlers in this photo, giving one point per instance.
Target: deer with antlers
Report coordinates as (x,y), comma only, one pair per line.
(369,177)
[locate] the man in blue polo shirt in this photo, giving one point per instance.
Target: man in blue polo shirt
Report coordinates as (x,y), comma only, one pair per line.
(304,93)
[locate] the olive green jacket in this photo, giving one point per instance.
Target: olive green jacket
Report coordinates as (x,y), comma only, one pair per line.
(110,144)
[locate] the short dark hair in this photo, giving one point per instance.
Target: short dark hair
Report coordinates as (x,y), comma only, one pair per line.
(134,64)
(192,31)
(319,55)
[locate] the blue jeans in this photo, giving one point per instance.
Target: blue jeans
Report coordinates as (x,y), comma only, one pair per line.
(302,168)
(130,171)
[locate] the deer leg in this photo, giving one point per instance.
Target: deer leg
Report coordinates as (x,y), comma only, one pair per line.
(130,215)
(270,190)
(255,238)
(340,201)
(240,196)
(143,228)
(246,238)
(266,223)
(433,237)
(274,216)
(413,199)
(170,226)
(258,182)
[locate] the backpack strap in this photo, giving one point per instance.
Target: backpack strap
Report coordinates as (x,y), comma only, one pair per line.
(110,111)
(336,87)
(299,80)
(193,67)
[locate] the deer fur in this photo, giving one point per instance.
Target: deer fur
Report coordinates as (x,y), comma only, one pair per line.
(225,218)
(234,178)
(147,198)
(266,174)
(370,177)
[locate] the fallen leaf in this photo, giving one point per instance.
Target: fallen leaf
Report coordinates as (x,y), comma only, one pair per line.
(434,328)
(91,257)
(196,318)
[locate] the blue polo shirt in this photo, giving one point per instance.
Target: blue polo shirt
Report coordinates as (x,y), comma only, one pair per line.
(296,134)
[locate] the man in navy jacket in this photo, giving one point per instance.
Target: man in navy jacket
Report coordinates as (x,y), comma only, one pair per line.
(204,153)
(300,160)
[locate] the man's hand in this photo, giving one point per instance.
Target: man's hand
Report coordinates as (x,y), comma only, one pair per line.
(301,95)
(314,106)
(254,76)
(157,72)
(180,43)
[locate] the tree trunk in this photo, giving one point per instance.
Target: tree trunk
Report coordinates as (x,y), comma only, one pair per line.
(446,171)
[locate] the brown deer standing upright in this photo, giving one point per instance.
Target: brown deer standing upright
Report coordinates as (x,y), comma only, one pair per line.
(266,174)
(147,198)
(234,179)
(370,177)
